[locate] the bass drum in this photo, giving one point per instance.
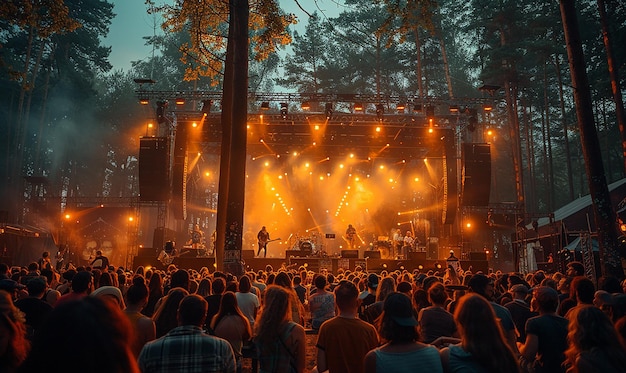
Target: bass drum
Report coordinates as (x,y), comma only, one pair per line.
(306,246)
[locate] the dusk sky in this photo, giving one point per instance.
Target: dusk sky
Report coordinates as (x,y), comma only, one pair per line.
(132,23)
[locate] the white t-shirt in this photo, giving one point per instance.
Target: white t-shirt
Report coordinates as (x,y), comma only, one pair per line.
(248,303)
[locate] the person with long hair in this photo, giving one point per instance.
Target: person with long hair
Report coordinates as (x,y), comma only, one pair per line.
(402,351)
(280,342)
(13,342)
(386,286)
(483,347)
(155,287)
(144,327)
(248,302)
(232,325)
(594,342)
(165,316)
(297,309)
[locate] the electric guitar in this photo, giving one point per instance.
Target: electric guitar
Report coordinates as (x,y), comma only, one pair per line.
(268,241)
(167,259)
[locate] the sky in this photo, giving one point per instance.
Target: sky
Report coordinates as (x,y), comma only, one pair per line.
(132,23)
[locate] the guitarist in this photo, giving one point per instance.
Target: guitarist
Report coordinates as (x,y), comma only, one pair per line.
(263,237)
(350,236)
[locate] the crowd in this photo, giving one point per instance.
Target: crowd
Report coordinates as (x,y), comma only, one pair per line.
(109,319)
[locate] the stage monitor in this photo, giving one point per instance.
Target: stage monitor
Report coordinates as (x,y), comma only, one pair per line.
(349,253)
(372,254)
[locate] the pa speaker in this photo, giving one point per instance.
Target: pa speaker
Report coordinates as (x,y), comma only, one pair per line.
(476,182)
(449,194)
(372,254)
(154,179)
(349,253)
(179,173)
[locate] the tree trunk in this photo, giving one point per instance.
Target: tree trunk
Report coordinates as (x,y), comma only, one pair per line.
(615,87)
(418,56)
(568,154)
(226,121)
(446,66)
(238,154)
(604,214)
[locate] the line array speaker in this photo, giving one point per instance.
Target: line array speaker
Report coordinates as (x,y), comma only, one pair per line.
(476,183)
(154,179)
(179,173)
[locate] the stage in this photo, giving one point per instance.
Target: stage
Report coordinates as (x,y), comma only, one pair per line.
(316,264)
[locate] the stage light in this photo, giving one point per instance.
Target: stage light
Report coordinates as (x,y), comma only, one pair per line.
(400,108)
(265,105)
(284,109)
(454,109)
(358,107)
(306,105)
(487,108)
(180,101)
(144,101)
(378,129)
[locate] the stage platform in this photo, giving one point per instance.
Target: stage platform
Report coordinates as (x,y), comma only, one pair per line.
(316,264)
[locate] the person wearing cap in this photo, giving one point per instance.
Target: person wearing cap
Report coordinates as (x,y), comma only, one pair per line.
(546,334)
(402,352)
(368,296)
(484,286)
(519,309)
(344,340)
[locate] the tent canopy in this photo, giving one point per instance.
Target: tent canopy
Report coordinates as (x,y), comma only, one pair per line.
(576,246)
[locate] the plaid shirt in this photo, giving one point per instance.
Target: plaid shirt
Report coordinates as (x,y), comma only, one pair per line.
(187,349)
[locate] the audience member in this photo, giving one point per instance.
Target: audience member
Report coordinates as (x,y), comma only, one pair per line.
(344,340)
(387,286)
(483,347)
(35,309)
(13,340)
(83,335)
(435,321)
(483,286)
(144,327)
(232,325)
(520,310)
(165,316)
(546,334)
(402,352)
(155,287)
(248,302)
(82,284)
(280,343)
(594,344)
(297,309)
(187,348)
(321,303)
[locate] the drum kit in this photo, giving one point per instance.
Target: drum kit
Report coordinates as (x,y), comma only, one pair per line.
(311,243)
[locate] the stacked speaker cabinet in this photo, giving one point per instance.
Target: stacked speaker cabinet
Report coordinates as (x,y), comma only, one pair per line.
(476,174)
(154,181)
